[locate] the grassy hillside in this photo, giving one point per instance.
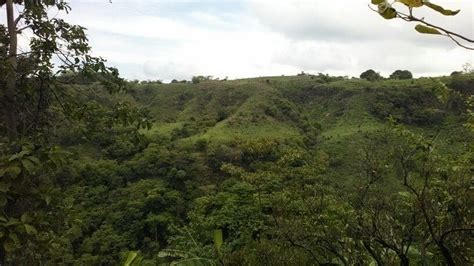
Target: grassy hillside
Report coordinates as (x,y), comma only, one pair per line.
(258,159)
(331,111)
(332,114)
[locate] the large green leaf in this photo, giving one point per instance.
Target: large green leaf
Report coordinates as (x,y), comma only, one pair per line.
(30,230)
(441,10)
(131,257)
(218,240)
(426,30)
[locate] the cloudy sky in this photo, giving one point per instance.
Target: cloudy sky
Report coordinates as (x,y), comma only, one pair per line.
(179,39)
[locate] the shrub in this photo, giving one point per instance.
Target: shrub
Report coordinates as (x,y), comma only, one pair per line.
(371,75)
(401,74)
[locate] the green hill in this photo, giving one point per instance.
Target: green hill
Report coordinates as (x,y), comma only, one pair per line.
(267,161)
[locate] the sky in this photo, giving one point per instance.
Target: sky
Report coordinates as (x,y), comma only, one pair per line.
(168,40)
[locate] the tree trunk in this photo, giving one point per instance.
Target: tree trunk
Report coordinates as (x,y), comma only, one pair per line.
(404,261)
(2,256)
(10,90)
(446,254)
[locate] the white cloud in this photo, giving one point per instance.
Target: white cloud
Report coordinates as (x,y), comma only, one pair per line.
(165,40)
(347,37)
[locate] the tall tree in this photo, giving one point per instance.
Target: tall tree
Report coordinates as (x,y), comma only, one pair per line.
(30,75)
(38,90)
(10,88)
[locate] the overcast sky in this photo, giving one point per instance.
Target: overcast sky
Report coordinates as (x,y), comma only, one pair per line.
(179,39)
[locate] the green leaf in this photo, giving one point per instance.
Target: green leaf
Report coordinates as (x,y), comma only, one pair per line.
(47,199)
(12,222)
(426,30)
(412,3)
(13,171)
(18,155)
(404,194)
(441,10)
(28,165)
(14,237)
(131,257)
(175,253)
(25,218)
(34,159)
(389,13)
(377,2)
(30,230)
(218,240)
(386,11)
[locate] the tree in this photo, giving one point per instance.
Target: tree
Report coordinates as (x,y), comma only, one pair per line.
(31,78)
(430,214)
(37,97)
(198,79)
(371,75)
(401,74)
(389,11)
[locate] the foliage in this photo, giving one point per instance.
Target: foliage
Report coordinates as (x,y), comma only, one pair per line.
(28,202)
(268,171)
(371,75)
(227,176)
(39,99)
(410,105)
(401,74)
(390,10)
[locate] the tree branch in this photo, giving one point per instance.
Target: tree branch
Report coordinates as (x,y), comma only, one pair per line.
(447,33)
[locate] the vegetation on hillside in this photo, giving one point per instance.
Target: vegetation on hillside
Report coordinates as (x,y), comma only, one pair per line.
(299,170)
(291,170)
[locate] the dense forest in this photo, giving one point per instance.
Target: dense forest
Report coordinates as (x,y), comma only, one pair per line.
(279,170)
(310,169)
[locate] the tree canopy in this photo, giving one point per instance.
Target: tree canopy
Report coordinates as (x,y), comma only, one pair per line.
(370,75)
(401,74)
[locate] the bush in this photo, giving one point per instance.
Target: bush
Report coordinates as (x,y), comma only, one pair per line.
(201,145)
(413,105)
(401,74)
(463,83)
(371,75)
